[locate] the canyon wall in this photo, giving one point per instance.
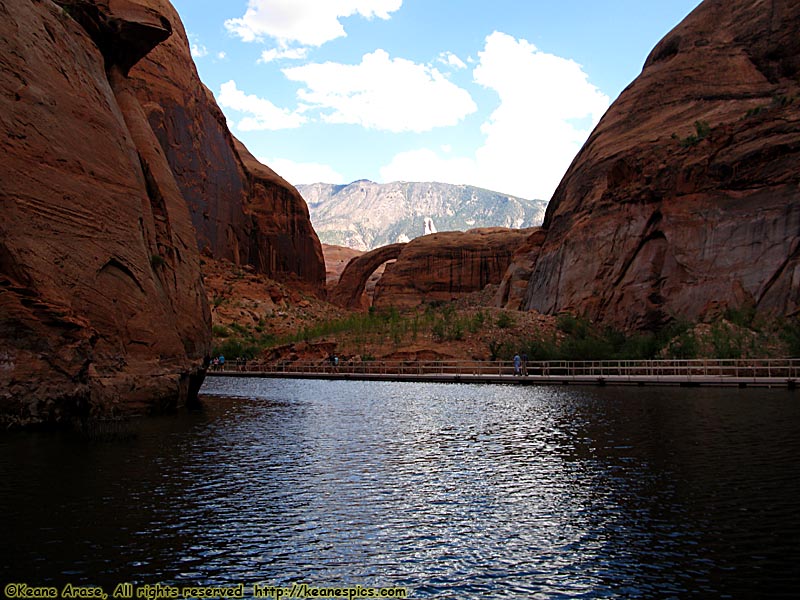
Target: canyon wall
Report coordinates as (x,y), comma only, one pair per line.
(685,200)
(242,210)
(102,307)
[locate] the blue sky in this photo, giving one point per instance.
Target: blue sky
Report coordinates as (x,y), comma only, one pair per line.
(497,94)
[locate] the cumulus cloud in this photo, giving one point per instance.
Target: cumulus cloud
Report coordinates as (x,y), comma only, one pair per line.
(389,94)
(308,22)
(451,60)
(283,53)
(297,173)
(547,110)
(197,49)
(262,114)
(426,165)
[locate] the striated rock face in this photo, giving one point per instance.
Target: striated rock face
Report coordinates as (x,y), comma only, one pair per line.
(511,293)
(658,217)
(102,308)
(242,211)
(443,266)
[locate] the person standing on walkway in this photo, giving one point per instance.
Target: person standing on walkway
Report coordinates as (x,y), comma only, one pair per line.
(517,361)
(524,364)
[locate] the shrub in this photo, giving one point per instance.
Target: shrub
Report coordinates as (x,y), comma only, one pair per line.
(476,322)
(790,334)
(234,348)
(220,331)
(684,346)
(726,341)
(702,131)
(495,349)
(505,321)
(743,316)
(156,260)
(542,349)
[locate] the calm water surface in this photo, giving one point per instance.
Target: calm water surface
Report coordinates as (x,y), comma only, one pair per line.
(452,491)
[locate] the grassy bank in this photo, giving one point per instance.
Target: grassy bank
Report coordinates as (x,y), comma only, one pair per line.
(496,334)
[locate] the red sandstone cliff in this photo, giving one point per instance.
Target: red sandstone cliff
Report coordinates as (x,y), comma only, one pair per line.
(241,209)
(102,307)
(443,266)
(658,217)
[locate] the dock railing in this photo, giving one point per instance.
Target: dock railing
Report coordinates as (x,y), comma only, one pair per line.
(706,370)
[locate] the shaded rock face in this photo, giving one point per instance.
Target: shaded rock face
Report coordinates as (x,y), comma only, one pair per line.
(444,266)
(659,217)
(511,293)
(242,210)
(102,308)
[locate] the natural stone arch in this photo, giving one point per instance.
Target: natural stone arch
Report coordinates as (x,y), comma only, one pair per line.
(353,281)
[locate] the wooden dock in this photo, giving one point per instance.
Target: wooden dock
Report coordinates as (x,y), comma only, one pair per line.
(771,373)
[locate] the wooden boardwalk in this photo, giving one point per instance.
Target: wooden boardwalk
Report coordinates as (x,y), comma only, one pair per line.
(687,373)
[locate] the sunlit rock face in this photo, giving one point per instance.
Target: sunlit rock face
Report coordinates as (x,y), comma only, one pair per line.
(685,199)
(241,209)
(447,265)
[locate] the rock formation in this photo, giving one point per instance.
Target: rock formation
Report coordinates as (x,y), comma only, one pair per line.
(349,292)
(336,259)
(102,307)
(685,200)
(447,265)
(242,210)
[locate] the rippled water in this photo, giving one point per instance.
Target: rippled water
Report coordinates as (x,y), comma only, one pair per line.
(453,491)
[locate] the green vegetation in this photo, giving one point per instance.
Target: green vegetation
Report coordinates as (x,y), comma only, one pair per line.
(790,334)
(505,321)
(754,112)
(738,333)
(702,131)
(220,331)
(778,101)
(439,320)
(156,260)
(782,100)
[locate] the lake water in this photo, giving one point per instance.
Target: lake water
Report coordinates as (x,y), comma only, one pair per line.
(450,491)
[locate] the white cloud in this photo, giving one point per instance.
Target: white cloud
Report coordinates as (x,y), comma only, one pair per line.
(382,93)
(451,60)
(263,113)
(283,53)
(427,165)
(547,110)
(302,172)
(309,22)
(221,55)
(197,49)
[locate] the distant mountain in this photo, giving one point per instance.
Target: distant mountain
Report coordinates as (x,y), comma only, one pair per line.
(364,215)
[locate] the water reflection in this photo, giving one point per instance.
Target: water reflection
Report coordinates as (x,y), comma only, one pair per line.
(454,491)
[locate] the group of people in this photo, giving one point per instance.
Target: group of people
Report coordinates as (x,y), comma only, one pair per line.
(218,363)
(521,364)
